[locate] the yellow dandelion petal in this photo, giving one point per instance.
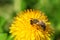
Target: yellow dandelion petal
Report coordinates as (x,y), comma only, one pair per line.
(31,25)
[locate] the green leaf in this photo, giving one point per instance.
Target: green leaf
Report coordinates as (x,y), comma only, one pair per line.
(2,22)
(3,36)
(10,37)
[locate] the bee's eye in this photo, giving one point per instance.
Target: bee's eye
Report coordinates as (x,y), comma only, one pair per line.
(31,22)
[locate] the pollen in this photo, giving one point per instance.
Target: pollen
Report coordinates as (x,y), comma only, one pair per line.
(21,28)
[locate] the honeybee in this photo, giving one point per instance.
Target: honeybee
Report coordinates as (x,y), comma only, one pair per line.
(39,23)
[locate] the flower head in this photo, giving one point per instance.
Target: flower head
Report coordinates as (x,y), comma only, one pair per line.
(31,25)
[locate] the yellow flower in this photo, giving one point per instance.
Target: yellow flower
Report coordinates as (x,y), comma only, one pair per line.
(31,25)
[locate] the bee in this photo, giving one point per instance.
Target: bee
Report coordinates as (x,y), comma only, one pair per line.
(39,23)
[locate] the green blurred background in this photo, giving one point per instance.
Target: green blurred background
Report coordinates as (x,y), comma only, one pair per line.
(9,9)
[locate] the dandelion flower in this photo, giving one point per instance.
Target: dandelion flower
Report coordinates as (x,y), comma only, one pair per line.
(31,25)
